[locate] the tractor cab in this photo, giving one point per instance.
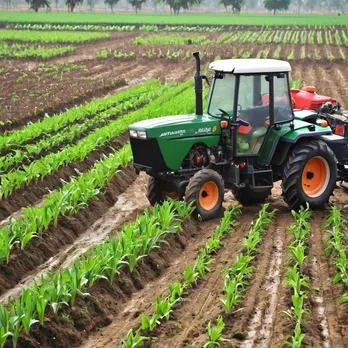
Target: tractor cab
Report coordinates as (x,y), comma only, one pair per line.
(254,94)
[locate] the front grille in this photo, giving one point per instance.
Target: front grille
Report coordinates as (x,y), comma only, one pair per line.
(146,153)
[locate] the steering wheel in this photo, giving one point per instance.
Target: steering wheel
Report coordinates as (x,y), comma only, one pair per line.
(242,122)
(224,113)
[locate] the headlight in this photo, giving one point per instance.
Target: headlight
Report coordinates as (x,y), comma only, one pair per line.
(142,135)
(133,133)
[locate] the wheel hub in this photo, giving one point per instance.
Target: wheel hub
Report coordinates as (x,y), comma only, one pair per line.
(310,175)
(315,177)
(209,195)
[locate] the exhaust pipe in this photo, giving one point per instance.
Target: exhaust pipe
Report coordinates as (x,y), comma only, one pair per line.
(198,85)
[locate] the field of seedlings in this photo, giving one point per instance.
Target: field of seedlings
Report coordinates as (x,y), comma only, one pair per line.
(86,262)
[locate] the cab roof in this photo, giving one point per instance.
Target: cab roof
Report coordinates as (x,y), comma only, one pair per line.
(250,66)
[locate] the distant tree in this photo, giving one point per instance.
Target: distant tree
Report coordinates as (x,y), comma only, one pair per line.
(299,5)
(91,4)
(276,5)
(72,4)
(137,4)
(339,5)
(311,4)
(226,3)
(36,4)
(236,5)
(111,3)
(177,5)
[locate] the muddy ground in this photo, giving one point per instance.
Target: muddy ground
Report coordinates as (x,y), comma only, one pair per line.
(104,318)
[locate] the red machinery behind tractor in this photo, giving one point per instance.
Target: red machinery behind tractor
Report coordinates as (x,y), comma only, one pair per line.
(328,109)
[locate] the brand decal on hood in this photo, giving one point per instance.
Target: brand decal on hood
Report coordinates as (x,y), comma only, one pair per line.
(178,132)
(204,130)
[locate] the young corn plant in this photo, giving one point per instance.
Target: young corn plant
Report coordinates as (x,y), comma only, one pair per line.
(335,228)
(215,334)
(298,281)
(238,274)
(164,307)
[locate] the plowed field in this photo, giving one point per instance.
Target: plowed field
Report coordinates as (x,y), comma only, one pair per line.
(95,211)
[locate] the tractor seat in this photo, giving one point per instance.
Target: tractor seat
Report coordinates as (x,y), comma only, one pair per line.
(256,139)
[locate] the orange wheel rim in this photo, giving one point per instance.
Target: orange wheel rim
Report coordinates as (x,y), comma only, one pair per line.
(208,195)
(315,177)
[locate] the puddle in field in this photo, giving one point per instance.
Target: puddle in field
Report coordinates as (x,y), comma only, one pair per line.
(129,203)
(262,315)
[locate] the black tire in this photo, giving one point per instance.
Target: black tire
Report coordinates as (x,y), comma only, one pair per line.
(195,193)
(247,196)
(294,193)
(155,191)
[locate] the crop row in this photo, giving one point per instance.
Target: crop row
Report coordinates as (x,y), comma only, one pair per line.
(178,289)
(20,51)
(69,134)
(36,219)
(49,124)
(169,54)
(328,37)
(117,28)
(297,280)
(135,241)
(290,53)
(51,37)
(281,52)
(238,274)
(166,40)
(336,246)
(39,169)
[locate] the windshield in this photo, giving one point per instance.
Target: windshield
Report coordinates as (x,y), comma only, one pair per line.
(222,95)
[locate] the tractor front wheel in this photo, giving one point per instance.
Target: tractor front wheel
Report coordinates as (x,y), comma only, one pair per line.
(206,190)
(248,196)
(156,192)
(309,175)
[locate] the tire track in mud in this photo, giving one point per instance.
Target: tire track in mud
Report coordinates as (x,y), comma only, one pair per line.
(322,326)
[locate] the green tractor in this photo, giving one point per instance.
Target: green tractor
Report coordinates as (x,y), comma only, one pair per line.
(249,137)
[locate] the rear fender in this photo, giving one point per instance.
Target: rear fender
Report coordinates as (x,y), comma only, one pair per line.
(285,134)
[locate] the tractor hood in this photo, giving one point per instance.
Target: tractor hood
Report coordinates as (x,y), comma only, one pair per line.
(161,144)
(180,126)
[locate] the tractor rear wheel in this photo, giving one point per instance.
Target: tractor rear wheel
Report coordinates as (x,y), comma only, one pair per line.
(156,193)
(247,196)
(206,190)
(309,175)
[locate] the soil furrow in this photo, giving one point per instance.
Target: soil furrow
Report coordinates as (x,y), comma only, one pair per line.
(39,251)
(323,328)
(109,300)
(203,304)
(126,208)
(259,323)
(34,191)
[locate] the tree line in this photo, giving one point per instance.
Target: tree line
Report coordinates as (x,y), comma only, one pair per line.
(233,6)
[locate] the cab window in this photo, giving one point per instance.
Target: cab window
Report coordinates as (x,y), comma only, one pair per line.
(222,95)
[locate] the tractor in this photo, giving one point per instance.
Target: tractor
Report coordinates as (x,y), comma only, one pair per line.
(251,135)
